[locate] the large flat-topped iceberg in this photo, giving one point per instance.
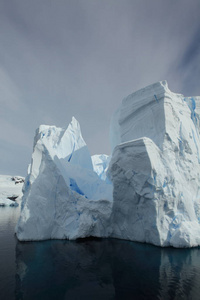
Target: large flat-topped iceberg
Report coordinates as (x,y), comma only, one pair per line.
(155,168)
(148,190)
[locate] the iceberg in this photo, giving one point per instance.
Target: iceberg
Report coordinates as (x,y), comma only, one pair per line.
(155,168)
(100,165)
(148,190)
(63,196)
(10,190)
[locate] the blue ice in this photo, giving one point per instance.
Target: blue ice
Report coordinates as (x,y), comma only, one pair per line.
(74,186)
(71,153)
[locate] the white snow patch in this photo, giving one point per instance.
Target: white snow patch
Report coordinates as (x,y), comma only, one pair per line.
(10,190)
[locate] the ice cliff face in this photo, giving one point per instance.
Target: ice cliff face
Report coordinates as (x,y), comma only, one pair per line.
(63,196)
(154,168)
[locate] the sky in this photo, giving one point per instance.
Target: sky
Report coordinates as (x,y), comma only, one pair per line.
(80,58)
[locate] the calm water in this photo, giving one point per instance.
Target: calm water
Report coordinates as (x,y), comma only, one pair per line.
(93,269)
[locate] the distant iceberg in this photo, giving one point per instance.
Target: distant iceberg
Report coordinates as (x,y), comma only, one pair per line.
(148,190)
(10,190)
(100,165)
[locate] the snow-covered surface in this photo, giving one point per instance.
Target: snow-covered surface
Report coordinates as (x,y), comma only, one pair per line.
(10,187)
(63,196)
(154,168)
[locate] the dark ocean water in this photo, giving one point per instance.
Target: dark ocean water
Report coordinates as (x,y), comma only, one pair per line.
(93,269)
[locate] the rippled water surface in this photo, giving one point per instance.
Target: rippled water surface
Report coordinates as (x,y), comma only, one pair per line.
(93,269)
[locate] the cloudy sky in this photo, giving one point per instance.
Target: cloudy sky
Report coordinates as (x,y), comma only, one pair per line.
(64,58)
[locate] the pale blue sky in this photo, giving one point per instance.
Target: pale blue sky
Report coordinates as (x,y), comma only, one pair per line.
(79,58)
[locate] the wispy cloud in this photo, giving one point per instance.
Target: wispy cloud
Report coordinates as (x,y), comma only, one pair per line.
(63,58)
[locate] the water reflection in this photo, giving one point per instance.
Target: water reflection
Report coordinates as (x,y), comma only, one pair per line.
(105,269)
(180,273)
(8,217)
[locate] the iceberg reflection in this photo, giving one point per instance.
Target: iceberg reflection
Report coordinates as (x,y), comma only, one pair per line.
(105,269)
